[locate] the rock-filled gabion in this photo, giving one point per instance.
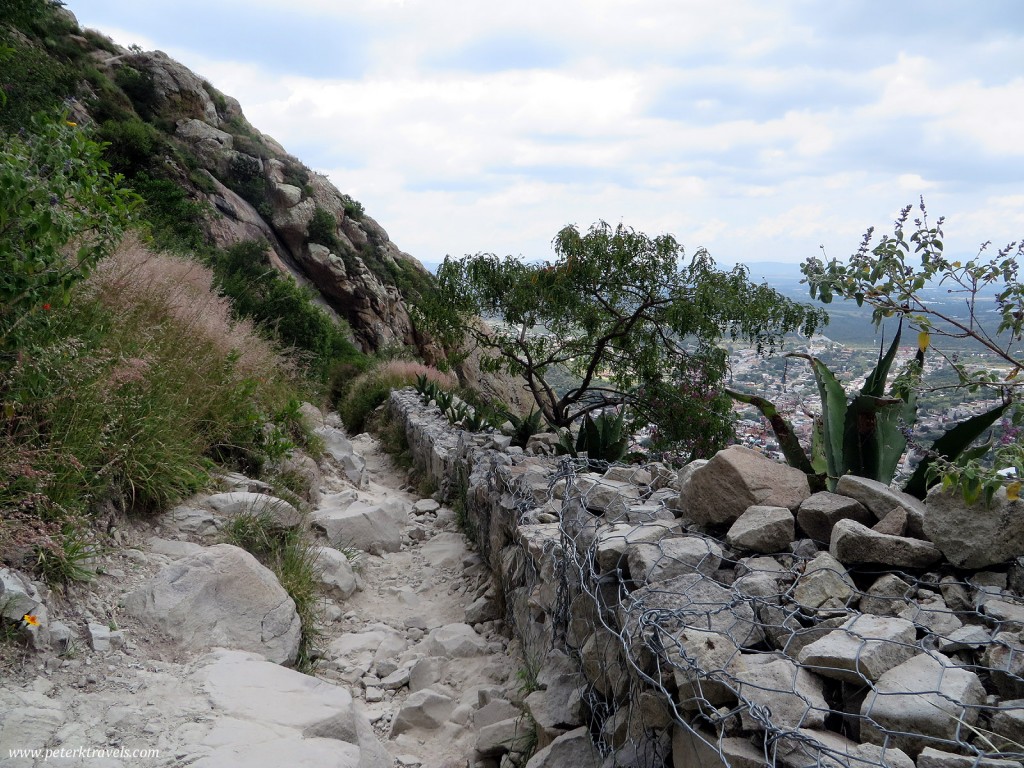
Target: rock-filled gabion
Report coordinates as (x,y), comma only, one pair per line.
(724,614)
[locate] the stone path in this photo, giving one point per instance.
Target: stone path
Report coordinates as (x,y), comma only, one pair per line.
(404,680)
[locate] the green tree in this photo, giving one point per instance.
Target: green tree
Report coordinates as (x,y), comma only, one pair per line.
(627,315)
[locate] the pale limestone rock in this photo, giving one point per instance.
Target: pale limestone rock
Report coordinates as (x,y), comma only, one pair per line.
(220,597)
(820,511)
(976,536)
(334,572)
(737,478)
(370,528)
(776,690)
(573,748)
(922,699)
(880,499)
(762,529)
(613,541)
(855,543)
(426,709)
(672,557)
(455,641)
(824,584)
(278,511)
(866,646)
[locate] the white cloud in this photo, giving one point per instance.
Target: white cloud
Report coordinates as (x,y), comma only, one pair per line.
(758,130)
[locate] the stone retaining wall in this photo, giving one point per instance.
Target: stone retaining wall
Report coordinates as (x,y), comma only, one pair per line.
(723,615)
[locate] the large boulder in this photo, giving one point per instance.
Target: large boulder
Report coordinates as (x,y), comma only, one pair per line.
(278,511)
(736,479)
(220,596)
(978,535)
(573,748)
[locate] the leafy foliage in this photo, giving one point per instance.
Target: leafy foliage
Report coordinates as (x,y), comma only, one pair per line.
(54,189)
(622,312)
(276,301)
(603,439)
(866,434)
(894,278)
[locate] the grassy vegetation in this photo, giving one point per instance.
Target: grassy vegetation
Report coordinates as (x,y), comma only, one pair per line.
(293,559)
(371,388)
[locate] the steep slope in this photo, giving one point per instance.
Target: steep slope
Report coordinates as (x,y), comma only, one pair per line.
(210,180)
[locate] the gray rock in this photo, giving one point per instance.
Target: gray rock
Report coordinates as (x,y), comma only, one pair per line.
(936,758)
(776,693)
(701,664)
(455,641)
(691,601)
(18,595)
(603,665)
(511,735)
(425,672)
(819,512)
(220,597)
(613,541)
(699,749)
(278,511)
(570,749)
(763,529)
(610,497)
(334,572)
(825,749)
(426,709)
(921,700)
(888,596)
(188,520)
(880,499)
(853,542)
(370,528)
(967,637)
(1004,657)
(425,507)
(672,557)
(99,637)
(893,524)
(865,647)
(736,479)
(495,710)
(930,613)
(397,679)
(976,536)
(340,449)
(824,584)
(484,608)
(1008,724)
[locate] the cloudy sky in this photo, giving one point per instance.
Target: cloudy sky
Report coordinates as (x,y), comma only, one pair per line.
(758,130)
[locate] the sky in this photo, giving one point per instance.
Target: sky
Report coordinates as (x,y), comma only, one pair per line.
(759,131)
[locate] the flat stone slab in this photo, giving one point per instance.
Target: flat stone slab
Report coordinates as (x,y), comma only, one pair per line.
(368,527)
(238,503)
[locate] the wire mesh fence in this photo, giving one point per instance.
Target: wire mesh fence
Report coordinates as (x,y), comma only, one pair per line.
(697,653)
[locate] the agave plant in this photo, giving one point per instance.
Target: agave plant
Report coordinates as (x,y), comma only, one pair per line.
(458,412)
(603,439)
(524,427)
(425,388)
(865,434)
(444,400)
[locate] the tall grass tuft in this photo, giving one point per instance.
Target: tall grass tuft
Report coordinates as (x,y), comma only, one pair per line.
(126,394)
(370,389)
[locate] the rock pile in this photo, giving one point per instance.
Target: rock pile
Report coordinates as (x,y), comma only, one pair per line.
(725,615)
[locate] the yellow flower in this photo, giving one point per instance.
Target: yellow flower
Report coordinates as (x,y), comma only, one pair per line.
(30,620)
(71,124)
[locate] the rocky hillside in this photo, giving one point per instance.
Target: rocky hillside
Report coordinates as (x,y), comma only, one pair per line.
(210,180)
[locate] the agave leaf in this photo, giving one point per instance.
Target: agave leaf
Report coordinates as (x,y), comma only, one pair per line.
(874,384)
(833,418)
(951,445)
(788,441)
(818,461)
(873,441)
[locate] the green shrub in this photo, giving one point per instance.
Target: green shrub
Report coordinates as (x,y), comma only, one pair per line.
(353,208)
(323,229)
(174,218)
(138,86)
(130,143)
(283,307)
(370,389)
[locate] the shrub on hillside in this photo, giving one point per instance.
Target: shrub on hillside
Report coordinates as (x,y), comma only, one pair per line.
(370,389)
(126,393)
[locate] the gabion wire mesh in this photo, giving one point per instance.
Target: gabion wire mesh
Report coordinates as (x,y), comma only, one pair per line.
(698,654)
